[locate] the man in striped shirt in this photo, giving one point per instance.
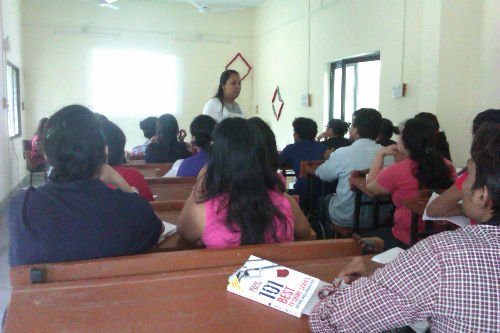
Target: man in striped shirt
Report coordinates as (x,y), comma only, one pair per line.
(451,279)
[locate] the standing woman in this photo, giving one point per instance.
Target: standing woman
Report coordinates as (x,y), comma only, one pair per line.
(223,104)
(167,148)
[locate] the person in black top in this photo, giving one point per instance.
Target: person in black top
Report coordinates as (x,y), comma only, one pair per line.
(387,129)
(334,136)
(75,216)
(442,145)
(168,146)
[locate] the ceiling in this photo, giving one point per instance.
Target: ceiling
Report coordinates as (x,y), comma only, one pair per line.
(225,3)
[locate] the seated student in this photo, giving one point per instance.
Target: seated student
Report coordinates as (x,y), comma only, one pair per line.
(442,144)
(269,140)
(37,159)
(167,148)
(424,168)
(448,203)
(334,136)
(201,132)
(343,161)
(451,279)
(148,127)
(75,216)
(238,199)
(115,141)
(385,132)
(304,149)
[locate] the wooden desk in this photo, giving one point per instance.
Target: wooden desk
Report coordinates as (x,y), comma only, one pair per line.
(171,191)
(151,169)
(170,180)
(162,292)
(358,186)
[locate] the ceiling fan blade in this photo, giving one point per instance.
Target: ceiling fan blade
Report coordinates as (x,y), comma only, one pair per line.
(109,5)
(199,7)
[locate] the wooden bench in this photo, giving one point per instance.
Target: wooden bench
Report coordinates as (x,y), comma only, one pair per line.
(170,180)
(162,292)
(151,169)
(172,191)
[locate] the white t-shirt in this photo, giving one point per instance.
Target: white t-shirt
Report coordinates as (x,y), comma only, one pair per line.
(214,109)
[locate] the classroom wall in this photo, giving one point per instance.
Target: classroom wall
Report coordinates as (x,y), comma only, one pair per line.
(59,37)
(446,52)
(12,165)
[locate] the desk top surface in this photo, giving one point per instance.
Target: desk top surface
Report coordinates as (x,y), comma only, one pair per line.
(185,301)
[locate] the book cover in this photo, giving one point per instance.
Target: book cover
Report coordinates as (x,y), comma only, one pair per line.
(273,285)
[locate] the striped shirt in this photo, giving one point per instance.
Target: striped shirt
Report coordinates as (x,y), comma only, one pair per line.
(451,279)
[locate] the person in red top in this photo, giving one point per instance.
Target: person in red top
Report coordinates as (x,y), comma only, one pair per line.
(448,203)
(424,168)
(115,139)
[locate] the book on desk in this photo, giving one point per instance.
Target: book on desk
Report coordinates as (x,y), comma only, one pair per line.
(279,287)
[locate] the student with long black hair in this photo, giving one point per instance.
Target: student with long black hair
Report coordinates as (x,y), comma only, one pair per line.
(75,216)
(223,104)
(238,198)
(269,140)
(424,168)
(167,148)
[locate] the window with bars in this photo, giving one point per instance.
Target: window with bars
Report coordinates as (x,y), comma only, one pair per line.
(13,100)
(354,84)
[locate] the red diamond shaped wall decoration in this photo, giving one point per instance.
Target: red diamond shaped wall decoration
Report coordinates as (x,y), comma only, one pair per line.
(245,62)
(280,103)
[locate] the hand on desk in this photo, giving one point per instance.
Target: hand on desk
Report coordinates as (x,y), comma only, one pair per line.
(358,267)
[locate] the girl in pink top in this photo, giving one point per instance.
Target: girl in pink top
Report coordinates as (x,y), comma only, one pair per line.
(423,168)
(239,199)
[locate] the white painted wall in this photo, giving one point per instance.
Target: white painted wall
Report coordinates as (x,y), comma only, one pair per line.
(446,51)
(58,64)
(12,165)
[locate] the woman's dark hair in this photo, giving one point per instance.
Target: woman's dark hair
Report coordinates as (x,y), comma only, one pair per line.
(115,140)
(269,140)
(202,128)
(339,127)
(387,129)
(41,127)
(485,152)
(222,81)
(167,129)
(74,144)
(419,138)
(305,128)
(430,117)
(367,121)
(237,167)
(148,127)
(490,115)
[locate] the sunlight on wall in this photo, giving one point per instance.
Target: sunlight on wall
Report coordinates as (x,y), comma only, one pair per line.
(126,82)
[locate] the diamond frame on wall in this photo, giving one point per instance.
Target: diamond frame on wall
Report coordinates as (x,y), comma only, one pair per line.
(277,94)
(239,55)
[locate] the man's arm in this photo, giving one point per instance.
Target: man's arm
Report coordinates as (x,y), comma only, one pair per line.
(330,170)
(396,295)
(447,204)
